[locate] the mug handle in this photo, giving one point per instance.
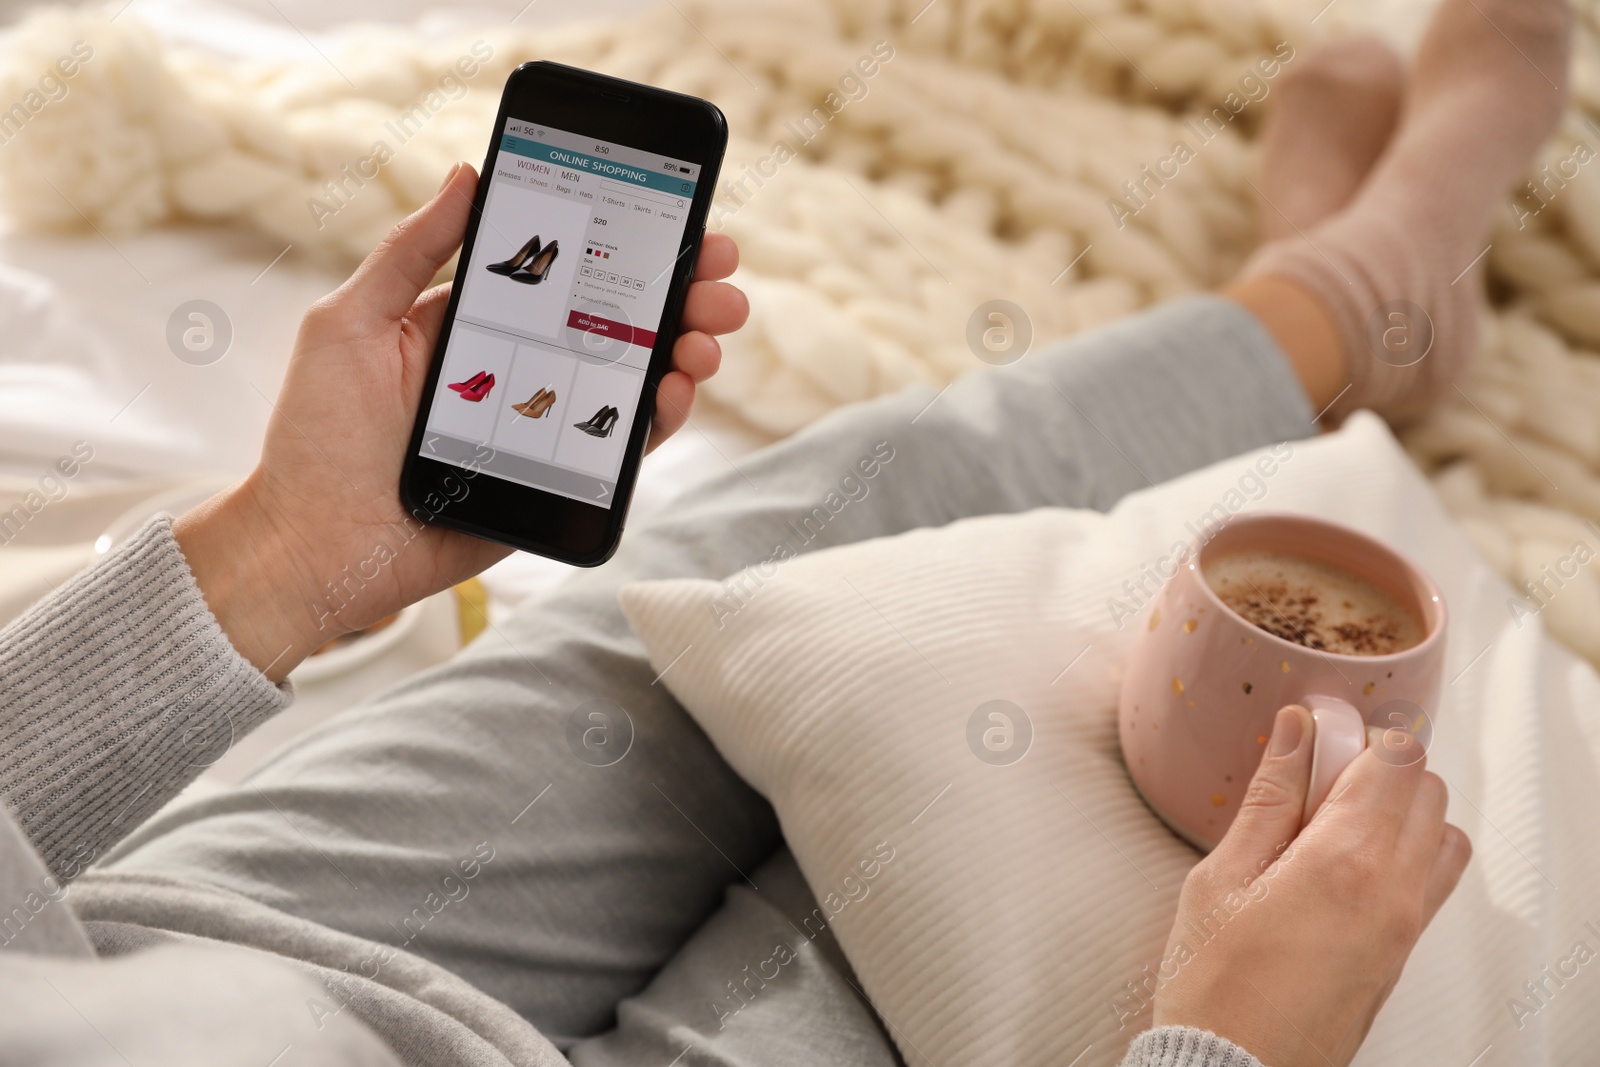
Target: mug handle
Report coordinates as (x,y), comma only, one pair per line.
(1341,735)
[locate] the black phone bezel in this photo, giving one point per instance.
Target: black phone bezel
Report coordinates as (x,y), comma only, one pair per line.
(622,113)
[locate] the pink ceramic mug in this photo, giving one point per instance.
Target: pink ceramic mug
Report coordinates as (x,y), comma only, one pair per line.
(1204,685)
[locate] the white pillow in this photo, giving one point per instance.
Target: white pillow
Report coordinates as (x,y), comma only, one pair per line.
(1021,903)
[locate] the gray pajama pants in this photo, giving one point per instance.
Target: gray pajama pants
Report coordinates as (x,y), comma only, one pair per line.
(617,913)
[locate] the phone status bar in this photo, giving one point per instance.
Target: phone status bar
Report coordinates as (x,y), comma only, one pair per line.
(591,146)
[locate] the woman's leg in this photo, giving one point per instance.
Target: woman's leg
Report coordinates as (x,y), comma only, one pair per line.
(1399,273)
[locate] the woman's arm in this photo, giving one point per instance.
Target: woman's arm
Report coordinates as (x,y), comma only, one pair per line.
(124,685)
(118,690)
(1320,919)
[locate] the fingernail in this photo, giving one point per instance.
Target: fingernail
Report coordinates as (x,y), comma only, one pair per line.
(449,177)
(1287,732)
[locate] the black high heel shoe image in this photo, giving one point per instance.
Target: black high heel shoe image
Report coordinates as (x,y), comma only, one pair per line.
(601,423)
(524,255)
(538,268)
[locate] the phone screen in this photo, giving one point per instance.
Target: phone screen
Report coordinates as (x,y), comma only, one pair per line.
(558,310)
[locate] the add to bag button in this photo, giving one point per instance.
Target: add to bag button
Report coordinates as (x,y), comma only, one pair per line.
(621,331)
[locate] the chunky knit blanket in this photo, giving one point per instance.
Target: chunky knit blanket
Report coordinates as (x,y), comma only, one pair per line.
(896,165)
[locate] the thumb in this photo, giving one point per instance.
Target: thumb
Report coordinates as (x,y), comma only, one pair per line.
(405,262)
(1269,817)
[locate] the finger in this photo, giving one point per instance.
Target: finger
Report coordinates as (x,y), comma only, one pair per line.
(697,354)
(1269,816)
(715,307)
(1377,790)
(385,286)
(719,257)
(1423,825)
(426,316)
(1449,863)
(420,333)
(674,398)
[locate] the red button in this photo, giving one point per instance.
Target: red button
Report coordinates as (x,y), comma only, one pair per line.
(577,320)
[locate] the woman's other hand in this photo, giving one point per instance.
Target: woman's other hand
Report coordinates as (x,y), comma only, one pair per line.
(1289,940)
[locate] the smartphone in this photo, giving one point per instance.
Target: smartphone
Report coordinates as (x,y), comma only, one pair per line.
(590,210)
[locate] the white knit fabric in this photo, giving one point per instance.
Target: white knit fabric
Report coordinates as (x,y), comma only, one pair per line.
(1020,901)
(1184,1046)
(980,161)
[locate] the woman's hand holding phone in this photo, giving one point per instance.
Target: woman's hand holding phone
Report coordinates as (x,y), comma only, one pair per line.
(275,554)
(1306,929)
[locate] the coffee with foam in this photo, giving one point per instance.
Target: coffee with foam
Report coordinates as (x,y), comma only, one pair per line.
(1313,604)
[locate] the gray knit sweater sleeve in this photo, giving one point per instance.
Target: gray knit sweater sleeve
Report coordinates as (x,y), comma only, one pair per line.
(116,691)
(1184,1046)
